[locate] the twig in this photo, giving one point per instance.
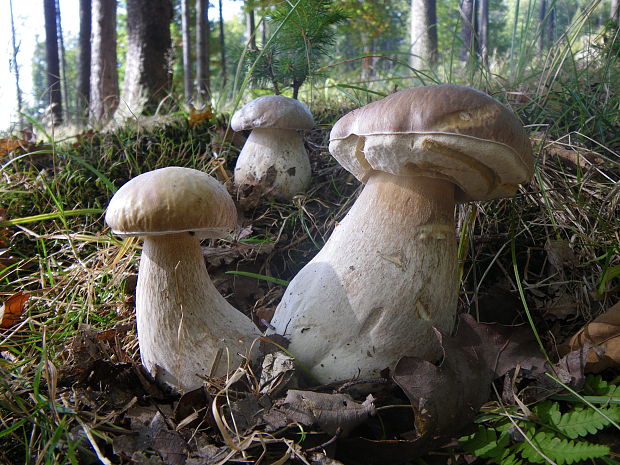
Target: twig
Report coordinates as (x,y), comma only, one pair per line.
(333,439)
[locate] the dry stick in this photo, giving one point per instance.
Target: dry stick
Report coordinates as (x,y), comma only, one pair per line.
(16,68)
(333,439)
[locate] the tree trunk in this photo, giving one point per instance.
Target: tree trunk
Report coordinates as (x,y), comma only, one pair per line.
(263,30)
(147,68)
(551,26)
(614,11)
(250,27)
(53,62)
(202,50)
(467,29)
(187,55)
(423,33)
(63,63)
(367,61)
(83,68)
(542,20)
(483,31)
(222,45)
(103,74)
(18,91)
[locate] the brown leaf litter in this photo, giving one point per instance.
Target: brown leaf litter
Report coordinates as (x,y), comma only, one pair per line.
(601,341)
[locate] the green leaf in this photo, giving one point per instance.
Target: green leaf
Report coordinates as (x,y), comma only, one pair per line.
(560,451)
(548,412)
(582,421)
(597,386)
(485,443)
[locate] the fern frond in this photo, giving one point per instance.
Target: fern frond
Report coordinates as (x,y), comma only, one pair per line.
(596,386)
(582,421)
(485,443)
(561,451)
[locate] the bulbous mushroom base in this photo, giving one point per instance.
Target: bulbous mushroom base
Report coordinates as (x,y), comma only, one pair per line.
(274,161)
(186,329)
(384,279)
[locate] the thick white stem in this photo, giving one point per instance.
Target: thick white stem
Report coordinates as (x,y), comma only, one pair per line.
(277,159)
(183,321)
(384,278)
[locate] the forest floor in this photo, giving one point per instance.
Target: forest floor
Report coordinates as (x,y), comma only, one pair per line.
(73,390)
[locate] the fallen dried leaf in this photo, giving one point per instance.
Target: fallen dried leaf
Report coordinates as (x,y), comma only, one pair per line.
(277,374)
(446,397)
(198,116)
(151,432)
(12,309)
(12,144)
(329,412)
(601,339)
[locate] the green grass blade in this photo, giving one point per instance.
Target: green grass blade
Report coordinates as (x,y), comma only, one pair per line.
(51,216)
(262,277)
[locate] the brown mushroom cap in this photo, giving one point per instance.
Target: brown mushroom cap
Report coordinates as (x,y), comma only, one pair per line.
(272,111)
(449,132)
(171,200)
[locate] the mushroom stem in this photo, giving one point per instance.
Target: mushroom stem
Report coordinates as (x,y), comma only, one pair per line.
(276,158)
(183,321)
(384,278)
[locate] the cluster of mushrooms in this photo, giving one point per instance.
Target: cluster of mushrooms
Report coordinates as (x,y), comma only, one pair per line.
(387,275)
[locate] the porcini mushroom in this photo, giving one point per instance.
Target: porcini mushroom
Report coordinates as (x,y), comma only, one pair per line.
(273,158)
(186,329)
(388,273)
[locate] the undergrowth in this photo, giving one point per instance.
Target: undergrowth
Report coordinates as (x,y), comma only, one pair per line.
(556,241)
(549,432)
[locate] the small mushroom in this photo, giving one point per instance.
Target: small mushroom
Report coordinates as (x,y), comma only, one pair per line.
(273,158)
(186,329)
(388,273)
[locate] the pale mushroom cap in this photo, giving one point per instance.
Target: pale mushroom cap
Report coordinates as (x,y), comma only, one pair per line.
(272,111)
(171,200)
(449,132)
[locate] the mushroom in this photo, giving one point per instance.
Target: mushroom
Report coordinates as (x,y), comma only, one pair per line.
(388,273)
(186,329)
(274,157)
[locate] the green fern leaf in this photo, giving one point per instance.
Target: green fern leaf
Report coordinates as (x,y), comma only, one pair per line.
(560,451)
(510,458)
(596,386)
(548,412)
(582,421)
(485,443)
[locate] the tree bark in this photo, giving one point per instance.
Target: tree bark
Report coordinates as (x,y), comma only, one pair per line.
(263,31)
(250,27)
(187,56)
(423,33)
(467,28)
(483,31)
(542,20)
(18,91)
(222,45)
(53,61)
(367,61)
(63,63)
(202,50)
(84,56)
(103,74)
(551,26)
(147,68)
(614,11)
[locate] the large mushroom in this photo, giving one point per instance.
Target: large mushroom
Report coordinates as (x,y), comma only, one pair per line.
(273,158)
(186,329)
(388,273)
